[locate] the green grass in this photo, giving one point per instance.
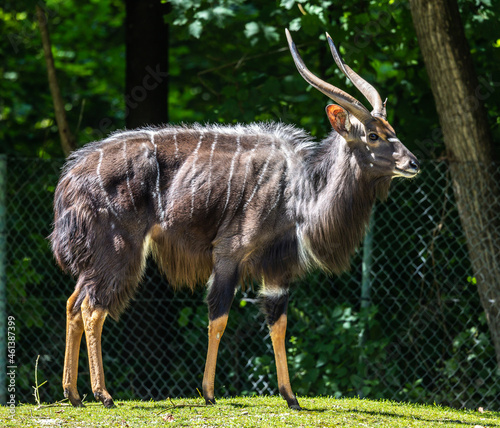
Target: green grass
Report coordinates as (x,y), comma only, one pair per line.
(248,412)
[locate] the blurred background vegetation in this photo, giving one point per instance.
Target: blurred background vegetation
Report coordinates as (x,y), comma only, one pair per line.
(227,62)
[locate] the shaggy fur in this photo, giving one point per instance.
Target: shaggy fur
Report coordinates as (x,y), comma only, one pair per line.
(264,196)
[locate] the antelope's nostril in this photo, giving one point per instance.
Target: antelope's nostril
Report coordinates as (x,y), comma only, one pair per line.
(414,165)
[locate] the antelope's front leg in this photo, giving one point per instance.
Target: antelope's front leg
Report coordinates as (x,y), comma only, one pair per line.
(274,305)
(74,332)
(219,298)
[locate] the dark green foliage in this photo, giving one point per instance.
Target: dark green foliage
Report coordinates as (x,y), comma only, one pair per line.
(228,63)
(87,44)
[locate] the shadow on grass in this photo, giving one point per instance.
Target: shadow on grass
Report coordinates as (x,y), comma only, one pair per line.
(165,405)
(414,417)
(483,419)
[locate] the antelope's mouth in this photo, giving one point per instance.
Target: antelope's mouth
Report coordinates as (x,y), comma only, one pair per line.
(406,173)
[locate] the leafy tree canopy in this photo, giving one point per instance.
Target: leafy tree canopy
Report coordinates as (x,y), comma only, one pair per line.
(229,63)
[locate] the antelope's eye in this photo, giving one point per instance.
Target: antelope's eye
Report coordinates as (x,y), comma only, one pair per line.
(372,136)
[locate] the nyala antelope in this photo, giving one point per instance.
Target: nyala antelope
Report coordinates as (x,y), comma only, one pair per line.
(217,205)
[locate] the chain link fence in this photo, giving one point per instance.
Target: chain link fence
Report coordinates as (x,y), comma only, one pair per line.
(406,322)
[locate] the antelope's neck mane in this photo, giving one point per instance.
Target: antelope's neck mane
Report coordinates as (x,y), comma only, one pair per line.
(337,205)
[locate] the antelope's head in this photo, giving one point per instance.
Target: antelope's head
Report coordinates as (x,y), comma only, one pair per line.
(370,137)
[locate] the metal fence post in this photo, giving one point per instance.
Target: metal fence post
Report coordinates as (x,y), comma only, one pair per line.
(3,279)
(366,285)
(366,282)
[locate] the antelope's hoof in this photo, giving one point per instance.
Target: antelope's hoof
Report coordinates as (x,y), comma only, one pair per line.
(108,403)
(105,399)
(74,399)
(293,403)
(295,407)
(210,401)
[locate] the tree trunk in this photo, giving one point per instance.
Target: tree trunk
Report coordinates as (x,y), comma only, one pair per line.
(68,143)
(458,96)
(146,39)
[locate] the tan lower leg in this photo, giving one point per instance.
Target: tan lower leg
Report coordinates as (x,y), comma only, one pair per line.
(74,331)
(215,331)
(93,320)
(278,332)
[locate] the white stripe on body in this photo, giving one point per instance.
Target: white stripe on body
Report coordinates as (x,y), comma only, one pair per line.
(276,202)
(306,255)
(157,192)
(261,176)
(247,168)
(101,183)
(209,181)
(146,250)
(193,172)
(210,281)
(128,176)
(231,171)
(176,154)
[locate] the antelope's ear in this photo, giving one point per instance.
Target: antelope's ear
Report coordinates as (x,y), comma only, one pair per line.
(339,118)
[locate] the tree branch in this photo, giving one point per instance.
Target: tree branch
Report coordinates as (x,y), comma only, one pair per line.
(68,142)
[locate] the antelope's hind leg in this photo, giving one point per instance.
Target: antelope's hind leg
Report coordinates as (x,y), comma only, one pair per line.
(93,320)
(74,332)
(219,298)
(274,305)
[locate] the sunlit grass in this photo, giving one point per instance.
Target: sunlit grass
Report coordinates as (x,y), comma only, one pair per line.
(248,412)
